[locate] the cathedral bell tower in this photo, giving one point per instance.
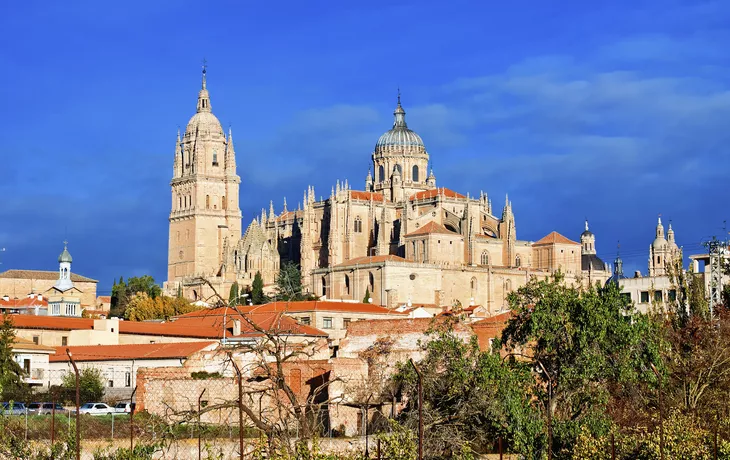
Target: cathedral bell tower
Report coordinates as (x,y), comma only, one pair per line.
(205,215)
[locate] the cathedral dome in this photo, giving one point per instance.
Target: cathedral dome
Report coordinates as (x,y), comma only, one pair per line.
(400,135)
(204,122)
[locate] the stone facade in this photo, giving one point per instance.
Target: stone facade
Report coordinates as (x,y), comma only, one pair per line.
(401,238)
(19,283)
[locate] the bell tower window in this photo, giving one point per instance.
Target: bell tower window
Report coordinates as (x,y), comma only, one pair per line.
(414,175)
(215,158)
(381,173)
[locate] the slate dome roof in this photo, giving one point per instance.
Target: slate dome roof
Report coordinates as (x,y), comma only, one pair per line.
(400,135)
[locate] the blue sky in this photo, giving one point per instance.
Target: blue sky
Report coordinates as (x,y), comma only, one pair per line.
(615,111)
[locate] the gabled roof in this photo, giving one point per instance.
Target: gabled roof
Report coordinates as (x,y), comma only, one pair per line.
(23,344)
(555,238)
(367,196)
(331,306)
(372,260)
(104,298)
(42,275)
(131,351)
(51,322)
(432,227)
(443,191)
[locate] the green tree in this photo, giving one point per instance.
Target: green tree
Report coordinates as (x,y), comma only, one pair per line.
(144,284)
(289,282)
(91,384)
(142,307)
(122,292)
(119,298)
(471,398)
(366,299)
(233,296)
(579,344)
(10,371)
(257,290)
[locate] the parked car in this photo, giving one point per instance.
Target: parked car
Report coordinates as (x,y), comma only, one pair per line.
(96,409)
(16,408)
(124,408)
(44,408)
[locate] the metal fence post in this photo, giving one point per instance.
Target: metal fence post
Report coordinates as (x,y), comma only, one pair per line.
(78,403)
(200,452)
(500,447)
(131,422)
(240,407)
(420,410)
(53,419)
(367,426)
(112,425)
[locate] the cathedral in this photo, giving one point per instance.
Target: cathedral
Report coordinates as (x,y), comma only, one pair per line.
(401,239)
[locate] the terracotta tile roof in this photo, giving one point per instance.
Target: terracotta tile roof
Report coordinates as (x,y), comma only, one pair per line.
(342,307)
(104,298)
(490,328)
(203,324)
(367,196)
(287,215)
(426,194)
(132,351)
(51,322)
(555,237)
(23,344)
(432,227)
(210,322)
(25,302)
(42,275)
(501,318)
(371,260)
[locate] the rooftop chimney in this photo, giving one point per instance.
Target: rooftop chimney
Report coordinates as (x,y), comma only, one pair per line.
(236,327)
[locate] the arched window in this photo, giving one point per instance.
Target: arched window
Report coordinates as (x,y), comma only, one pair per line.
(347,285)
(473,286)
(358,225)
(381,173)
(324,286)
(207,201)
(371,282)
(179,202)
(215,158)
(414,175)
(485,258)
(223,202)
(518,262)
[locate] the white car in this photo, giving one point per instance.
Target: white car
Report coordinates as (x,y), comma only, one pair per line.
(95,409)
(124,408)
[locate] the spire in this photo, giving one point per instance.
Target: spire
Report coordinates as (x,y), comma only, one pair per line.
(203,96)
(285,210)
(586,224)
(659,228)
(399,115)
(618,264)
(271,210)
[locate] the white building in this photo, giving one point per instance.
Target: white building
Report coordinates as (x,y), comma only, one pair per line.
(33,359)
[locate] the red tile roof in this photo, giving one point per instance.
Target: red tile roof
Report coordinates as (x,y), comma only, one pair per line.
(204,324)
(210,321)
(51,322)
(555,238)
(426,194)
(343,307)
(104,298)
(367,196)
(371,260)
(432,227)
(135,351)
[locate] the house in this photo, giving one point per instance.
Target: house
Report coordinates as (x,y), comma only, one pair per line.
(119,363)
(221,324)
(32,304)
(33,359)
(331,317)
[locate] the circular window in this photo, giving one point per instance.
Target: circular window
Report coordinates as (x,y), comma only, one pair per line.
(413,276)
